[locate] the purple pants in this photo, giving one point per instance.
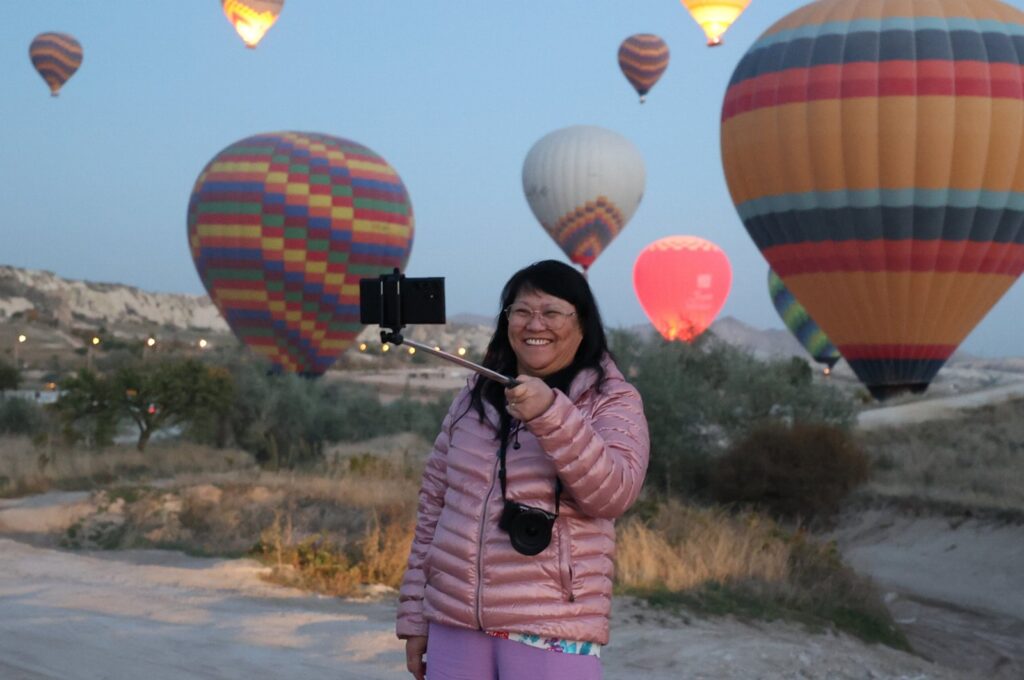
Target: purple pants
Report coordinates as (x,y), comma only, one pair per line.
(463,654)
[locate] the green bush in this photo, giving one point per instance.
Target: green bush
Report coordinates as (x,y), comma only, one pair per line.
(21,416)
(285,420)
(701,397)
(799,471)
(10,377)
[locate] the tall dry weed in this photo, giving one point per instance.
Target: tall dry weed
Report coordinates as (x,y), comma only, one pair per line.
(974,460)
(26,468)
(684,547)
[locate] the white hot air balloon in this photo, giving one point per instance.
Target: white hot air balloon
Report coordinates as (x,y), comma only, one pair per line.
(583,184)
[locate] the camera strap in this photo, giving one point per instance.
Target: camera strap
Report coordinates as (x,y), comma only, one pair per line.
(514,427)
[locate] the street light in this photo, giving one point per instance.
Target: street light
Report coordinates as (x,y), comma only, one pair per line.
(21,338)
(150,342)
(88,354)
(203,343)
(462,351)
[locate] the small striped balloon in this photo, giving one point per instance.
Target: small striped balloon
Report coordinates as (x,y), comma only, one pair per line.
(643,59)
(56,56)
(800,323)
(282,226)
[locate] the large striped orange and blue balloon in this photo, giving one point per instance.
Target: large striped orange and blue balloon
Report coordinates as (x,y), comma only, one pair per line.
(800,323)
(643,59)
(282,226)
(873,149)
(56,56)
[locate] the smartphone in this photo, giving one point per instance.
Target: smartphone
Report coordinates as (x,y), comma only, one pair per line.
(394,300)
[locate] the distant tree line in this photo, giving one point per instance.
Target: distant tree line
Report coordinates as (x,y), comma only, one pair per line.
(724,425)
(283,419)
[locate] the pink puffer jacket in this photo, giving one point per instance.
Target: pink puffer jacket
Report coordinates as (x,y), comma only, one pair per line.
(462,569)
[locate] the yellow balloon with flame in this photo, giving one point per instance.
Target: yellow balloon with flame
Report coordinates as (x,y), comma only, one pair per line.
(715,16)
(252,18)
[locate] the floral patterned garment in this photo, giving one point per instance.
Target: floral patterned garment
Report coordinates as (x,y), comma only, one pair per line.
(551,644)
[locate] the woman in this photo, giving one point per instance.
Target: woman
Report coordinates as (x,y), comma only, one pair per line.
(485,593)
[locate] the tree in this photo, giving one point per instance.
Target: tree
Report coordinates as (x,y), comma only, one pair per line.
(170,393)
(10,377)
(87,410)
(699,398)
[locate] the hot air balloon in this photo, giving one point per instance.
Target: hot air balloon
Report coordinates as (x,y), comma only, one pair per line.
(56,56)
(800,324)
(682,283)
(252,18)
(583,184)
(873,151)
(643,58)
(715,16)
(282,226)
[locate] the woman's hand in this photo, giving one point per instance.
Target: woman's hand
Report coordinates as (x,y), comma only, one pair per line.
(529,398)
(415,648)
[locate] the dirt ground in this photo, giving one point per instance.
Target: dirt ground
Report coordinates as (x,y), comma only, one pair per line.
(162,614)
(954,584)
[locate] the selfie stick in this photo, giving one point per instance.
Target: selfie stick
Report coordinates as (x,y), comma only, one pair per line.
(392,326)
(397,339)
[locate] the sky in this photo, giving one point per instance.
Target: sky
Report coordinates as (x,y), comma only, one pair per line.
(95,184)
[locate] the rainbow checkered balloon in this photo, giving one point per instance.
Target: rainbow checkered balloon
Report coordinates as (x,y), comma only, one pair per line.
(282,226)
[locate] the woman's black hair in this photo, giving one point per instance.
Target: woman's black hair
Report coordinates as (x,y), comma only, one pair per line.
(562,281)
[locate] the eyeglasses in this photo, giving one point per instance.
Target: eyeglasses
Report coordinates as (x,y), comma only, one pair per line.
(552,319)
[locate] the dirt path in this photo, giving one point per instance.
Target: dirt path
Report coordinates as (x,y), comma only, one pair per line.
(933,409)
(955,586)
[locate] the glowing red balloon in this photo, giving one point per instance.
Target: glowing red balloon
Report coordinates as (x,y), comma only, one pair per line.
(682,283)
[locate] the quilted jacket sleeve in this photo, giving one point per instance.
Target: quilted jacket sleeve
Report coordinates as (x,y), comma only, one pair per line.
(431,500)
(601,459)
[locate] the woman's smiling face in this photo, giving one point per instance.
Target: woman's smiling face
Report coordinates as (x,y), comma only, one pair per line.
(546,341)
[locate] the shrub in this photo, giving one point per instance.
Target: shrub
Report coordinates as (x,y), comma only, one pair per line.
(285,420)
(792,471)
(21,416)
(701,397)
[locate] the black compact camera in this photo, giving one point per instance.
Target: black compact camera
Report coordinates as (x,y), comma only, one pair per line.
(528,528)
(394,300)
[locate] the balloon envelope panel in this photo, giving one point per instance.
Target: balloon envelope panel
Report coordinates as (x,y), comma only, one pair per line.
(643,59)
(583,184)
(873,150)
(282,226)
(682,283)
(56,56)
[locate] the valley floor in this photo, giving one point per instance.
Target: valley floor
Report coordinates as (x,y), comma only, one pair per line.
(161,614)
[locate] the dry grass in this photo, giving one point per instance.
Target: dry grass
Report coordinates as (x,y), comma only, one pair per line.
(975,461)
(708,561)
(335,529)
(685,547)
(26,468)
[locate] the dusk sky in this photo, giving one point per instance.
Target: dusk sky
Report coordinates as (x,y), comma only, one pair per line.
(452,93)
